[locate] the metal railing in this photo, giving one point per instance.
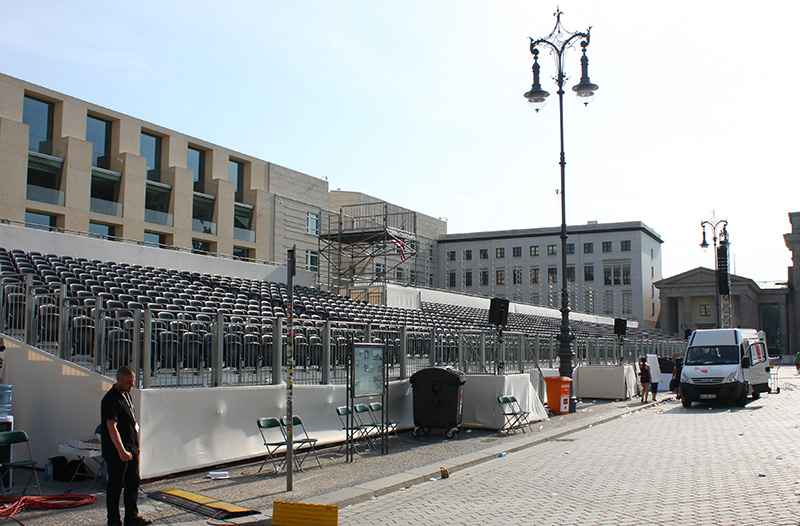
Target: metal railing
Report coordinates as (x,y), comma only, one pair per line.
(173,347)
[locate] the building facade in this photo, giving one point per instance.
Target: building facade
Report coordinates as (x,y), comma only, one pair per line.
(71,165)
(611,267)
(689,302)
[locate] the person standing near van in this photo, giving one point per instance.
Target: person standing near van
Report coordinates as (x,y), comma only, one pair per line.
(644,378)
(675,384)
(797,362)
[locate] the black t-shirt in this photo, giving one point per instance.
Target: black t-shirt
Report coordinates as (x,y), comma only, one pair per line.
(118,406)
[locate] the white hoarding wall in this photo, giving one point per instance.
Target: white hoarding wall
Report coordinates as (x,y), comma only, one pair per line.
(182,429)
(194,428)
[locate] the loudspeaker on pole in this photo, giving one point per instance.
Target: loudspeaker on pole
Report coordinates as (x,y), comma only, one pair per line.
(620,326)
(498,311)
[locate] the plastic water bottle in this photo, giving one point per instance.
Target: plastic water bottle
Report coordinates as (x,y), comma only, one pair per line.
(48,470)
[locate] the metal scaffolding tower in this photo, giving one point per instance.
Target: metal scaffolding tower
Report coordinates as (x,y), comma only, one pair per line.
(368,244)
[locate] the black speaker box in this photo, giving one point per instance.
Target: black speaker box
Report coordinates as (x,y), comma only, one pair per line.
(498,311)
(620,326)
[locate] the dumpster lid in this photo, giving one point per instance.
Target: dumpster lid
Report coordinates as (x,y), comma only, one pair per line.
(440,374)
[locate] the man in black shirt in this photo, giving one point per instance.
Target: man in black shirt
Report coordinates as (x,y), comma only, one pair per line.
(120,444)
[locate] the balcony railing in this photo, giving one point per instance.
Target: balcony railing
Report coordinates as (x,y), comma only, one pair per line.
(242,234)
(101,206)
(45,195)
(206,227)
(159,218)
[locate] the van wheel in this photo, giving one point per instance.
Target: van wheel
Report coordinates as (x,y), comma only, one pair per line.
(743,399)
(756,395)
(686,402)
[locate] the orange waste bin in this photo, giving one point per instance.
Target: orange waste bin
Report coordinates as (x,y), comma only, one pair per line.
(558,393)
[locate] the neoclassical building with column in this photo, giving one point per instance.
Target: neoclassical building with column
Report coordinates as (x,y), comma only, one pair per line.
(688,301)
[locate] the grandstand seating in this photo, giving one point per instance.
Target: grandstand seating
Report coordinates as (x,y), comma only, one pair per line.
(184,304)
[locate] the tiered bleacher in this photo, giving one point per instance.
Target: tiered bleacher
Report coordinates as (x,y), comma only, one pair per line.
(89,310)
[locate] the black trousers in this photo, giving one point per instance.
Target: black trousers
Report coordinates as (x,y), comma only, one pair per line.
(122,475)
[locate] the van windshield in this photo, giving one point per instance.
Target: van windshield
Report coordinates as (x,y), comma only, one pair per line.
(722,354)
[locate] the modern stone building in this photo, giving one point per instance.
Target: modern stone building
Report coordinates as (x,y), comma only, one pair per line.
(611,267)
(72,165)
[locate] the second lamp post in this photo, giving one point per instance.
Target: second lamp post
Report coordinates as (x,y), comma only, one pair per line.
(559,41)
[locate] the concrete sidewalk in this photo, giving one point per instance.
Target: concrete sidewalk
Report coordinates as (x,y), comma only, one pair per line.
(411,462)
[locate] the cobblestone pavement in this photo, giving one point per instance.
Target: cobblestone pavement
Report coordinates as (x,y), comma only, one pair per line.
(664,465)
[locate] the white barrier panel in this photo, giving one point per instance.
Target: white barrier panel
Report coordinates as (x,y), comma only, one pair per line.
(193,428)
(53,400)
(481,408)
(611,382)
(182,429)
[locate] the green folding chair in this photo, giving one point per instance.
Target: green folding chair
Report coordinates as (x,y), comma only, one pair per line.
(267,427)
(358,432)
(301,442)
(515,417)
(376,409)
(10,438)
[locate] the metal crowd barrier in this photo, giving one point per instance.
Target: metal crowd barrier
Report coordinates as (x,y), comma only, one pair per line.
(173,347)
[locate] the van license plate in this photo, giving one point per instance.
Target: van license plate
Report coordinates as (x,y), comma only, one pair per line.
(707,396)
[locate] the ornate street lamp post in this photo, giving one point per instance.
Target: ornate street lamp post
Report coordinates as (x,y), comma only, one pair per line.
(721,274)
(559,41)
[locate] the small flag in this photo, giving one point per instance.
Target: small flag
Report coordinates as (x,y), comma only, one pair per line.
(401,248)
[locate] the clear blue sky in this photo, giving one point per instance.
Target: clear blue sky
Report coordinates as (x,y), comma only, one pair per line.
(420,103)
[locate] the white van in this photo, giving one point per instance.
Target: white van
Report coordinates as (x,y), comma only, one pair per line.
(727,364)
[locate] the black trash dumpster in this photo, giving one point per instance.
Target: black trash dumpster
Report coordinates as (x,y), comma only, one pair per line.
(438,394)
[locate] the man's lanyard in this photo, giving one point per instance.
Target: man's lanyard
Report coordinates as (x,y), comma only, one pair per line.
(129,401)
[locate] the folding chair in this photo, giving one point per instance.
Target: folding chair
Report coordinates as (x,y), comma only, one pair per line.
(376,409)
(9,438)
(359,433)
(373,428)
(265,425)
(524,416)
(515,417)
(299,441)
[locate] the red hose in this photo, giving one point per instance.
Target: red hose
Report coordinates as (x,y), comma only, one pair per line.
(43,502)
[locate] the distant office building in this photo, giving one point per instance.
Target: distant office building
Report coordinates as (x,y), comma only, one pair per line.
(611,267)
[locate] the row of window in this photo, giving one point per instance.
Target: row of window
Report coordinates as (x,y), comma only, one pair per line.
(552,250)
(38,114)
(44,174)
(607,302)
(613,274)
